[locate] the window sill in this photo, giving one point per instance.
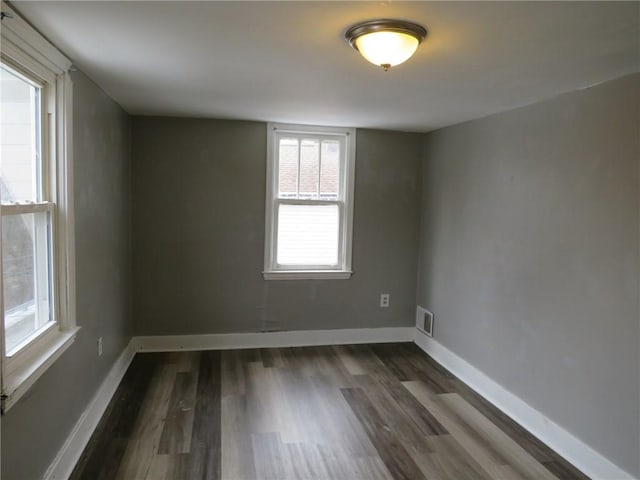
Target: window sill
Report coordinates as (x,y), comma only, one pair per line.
(18,382)
(308,275)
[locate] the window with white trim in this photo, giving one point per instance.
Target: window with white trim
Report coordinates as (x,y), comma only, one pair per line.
(36,249)
(309,203)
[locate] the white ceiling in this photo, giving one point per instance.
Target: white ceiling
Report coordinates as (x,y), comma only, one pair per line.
(289,62)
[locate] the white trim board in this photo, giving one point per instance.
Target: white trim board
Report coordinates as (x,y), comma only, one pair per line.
(66,459)
(295,338)
(557,438)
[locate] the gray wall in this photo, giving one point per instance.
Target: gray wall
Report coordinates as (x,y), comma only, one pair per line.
(199,195)
(36,427)
(529,257)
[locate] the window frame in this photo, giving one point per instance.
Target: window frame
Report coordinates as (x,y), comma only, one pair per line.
(345,201)
(24,50)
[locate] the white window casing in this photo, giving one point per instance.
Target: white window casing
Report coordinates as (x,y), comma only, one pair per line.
(24,50)
(309,224)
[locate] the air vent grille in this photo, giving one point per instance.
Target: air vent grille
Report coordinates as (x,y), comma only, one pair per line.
(424,321)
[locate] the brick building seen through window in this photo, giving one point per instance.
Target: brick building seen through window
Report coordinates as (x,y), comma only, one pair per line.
(314,157)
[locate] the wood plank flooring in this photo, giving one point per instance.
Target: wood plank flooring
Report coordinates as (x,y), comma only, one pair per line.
(385,411)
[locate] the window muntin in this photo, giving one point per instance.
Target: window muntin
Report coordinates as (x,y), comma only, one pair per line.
(309,200)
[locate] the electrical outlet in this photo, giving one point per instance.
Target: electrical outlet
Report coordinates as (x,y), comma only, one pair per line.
(100,346)
(384,300)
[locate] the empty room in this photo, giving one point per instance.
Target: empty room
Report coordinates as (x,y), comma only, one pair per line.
(282,240)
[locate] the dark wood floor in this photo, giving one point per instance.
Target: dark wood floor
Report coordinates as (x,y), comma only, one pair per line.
(346,412)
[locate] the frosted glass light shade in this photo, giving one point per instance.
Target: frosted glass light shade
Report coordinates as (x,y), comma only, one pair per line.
(386,42)
(387,48)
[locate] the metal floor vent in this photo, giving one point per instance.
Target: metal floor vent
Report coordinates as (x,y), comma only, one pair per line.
(424,321)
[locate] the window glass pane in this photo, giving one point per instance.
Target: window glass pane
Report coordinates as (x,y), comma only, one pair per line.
(288,168)
(329,169)
(308,235)
(19,138)
(309,165)
(25,275)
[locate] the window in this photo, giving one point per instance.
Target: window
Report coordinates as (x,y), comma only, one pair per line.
(36,251)
(309,205)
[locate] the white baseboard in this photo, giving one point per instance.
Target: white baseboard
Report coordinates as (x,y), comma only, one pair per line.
(557,438)
(299,338)
(66,459)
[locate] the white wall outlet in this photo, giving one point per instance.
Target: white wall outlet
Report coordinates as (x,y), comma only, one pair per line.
(384,300)
(99,346)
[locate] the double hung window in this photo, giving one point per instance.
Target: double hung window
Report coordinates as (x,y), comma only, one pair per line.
(27,212)
(309,202)
(36,252)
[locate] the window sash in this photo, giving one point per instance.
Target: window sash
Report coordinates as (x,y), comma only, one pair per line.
(45,188)
(340,139)
(275,266)
(44,279)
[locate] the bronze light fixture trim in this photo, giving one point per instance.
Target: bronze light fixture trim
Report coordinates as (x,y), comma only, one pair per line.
(386,42)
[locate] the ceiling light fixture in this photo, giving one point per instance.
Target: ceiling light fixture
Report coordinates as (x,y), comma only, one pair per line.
(386,43)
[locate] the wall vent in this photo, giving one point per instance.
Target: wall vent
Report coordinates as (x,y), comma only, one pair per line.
(424,321)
